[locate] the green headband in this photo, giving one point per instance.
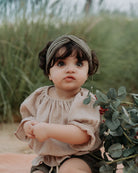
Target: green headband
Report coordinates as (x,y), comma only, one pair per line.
(63,40)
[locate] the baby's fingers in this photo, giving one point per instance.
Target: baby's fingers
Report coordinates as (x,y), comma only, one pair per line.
(33,123)
(30,136)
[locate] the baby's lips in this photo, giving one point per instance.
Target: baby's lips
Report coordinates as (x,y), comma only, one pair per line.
(69,78)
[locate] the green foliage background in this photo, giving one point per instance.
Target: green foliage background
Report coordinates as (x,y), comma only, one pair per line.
(113,37)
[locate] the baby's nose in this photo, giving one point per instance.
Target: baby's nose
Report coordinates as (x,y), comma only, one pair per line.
(70,69)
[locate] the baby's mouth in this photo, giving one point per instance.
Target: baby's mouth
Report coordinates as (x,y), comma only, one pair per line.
(69,78)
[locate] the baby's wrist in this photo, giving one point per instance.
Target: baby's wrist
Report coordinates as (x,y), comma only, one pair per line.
(26,124)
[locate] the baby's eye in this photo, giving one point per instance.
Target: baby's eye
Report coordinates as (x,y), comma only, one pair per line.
(80,64)
(60,63)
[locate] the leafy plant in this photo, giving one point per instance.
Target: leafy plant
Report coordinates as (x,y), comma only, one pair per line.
(118,130)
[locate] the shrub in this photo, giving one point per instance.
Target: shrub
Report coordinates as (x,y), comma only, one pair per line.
(118,130)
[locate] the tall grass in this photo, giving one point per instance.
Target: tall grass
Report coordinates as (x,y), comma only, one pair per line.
(114,39)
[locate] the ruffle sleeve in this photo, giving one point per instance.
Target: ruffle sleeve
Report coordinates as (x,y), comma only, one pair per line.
(28,110)
(86,118)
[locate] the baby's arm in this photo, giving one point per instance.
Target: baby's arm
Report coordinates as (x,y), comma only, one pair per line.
(70,134)
(28,128)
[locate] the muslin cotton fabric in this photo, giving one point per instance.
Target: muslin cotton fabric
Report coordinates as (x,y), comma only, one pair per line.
(41,107)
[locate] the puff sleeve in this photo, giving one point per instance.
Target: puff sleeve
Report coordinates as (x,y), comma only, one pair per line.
(86,118)
(28,111)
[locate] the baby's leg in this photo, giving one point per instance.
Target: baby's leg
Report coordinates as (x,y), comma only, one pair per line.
(75,165)
(38,172)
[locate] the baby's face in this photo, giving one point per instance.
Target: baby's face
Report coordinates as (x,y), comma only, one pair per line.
(69,73)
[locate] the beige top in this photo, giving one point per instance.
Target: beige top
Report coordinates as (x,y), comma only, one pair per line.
(41,107)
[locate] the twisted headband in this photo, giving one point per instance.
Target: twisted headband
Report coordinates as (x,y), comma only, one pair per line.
(63,40)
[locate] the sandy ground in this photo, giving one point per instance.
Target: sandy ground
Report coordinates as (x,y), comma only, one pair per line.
(8,141)
(15,155)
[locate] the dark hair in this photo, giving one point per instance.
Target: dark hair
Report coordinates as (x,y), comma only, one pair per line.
(70,47)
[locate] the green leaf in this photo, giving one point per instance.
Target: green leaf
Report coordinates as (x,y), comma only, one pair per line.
(130,167)
(112,94)
(134,115)
(128,152)
(112,125)
(106,168)
(136,150)
(115,115)
(116,103)
(122,92)
(96,103)
(87,100)
(124,115)
(115,150)
(135,141)
(108,114)
(117,132)
(101,97)
(135,99)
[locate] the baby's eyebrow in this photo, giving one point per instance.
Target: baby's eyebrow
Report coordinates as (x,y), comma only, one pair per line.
(80,60)
(60,59)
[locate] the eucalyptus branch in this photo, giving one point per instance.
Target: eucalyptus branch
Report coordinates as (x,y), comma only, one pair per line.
(119,143)
(123,158)
(128,137)
(127,103)
(96,157)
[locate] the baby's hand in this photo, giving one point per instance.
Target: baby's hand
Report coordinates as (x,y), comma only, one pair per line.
(40,131)
(28,128)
